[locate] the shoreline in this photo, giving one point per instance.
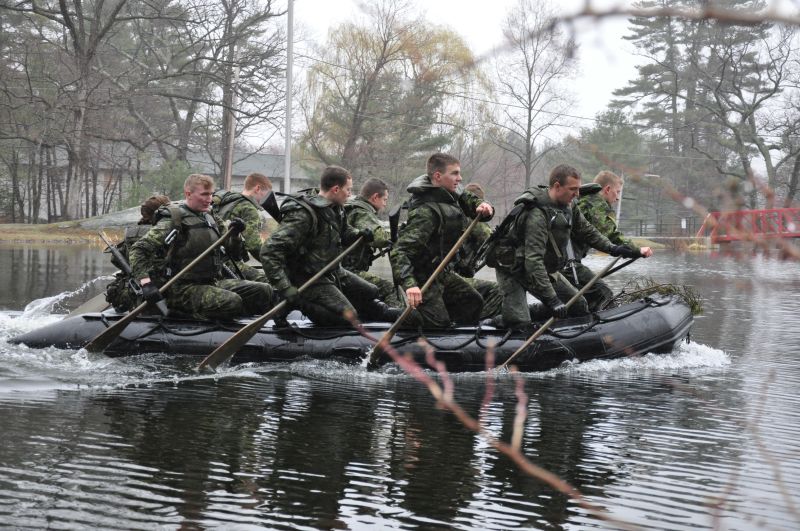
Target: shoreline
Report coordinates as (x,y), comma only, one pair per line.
(66,233)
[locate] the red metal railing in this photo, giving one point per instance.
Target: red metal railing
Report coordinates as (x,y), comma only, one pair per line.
(738,225)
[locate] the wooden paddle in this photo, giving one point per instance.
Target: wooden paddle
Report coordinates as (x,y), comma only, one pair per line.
(96,304)
(570,302)
(105,338)
(625,264)
(230,347)
(387,337)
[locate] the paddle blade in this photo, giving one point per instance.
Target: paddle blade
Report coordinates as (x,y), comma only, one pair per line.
(96,304)
(107,336)
(230,347)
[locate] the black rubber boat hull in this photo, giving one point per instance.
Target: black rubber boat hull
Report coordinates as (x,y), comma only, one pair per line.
(651,325)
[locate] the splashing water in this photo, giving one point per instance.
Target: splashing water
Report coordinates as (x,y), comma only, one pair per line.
(49,305)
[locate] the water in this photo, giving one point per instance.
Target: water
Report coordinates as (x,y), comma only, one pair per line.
(702,438)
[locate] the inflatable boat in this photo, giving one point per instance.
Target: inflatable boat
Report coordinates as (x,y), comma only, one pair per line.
(651,325)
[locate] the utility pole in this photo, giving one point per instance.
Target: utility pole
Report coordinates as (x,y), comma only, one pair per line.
(227,174)
(287,152)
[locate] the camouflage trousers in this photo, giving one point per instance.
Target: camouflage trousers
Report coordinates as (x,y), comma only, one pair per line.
(598,295)
(449,299)
(386,290)
(514,289)
(221,300)
(492,297)
(328,302)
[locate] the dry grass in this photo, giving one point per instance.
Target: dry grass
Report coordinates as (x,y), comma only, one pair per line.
(65,233)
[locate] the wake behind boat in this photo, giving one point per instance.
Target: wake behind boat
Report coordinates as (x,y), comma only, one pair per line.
(653,324)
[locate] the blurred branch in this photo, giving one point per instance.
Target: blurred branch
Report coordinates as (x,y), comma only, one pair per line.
(443,393)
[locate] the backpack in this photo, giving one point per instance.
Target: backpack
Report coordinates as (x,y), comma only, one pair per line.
(500,249)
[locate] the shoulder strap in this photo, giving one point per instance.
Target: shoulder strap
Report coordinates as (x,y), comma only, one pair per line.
(300,200)
(394,219)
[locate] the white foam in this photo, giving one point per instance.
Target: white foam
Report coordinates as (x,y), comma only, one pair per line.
(47,305)
(686,356)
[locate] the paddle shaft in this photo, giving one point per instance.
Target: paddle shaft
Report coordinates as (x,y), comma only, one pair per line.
(626,264)
(105,338)
(387,337)
(569,303)
(240,338)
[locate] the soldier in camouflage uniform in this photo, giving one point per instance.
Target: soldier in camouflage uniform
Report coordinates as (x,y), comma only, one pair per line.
(202,292)
(247,207)
(119,293)
(437,216)
(314,231)
(596,208)
(465,263)
(362,212)
(530,258)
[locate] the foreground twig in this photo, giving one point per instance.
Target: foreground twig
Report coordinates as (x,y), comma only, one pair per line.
(443,394)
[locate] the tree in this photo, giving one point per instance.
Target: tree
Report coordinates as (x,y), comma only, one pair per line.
(528,83)
(375,101)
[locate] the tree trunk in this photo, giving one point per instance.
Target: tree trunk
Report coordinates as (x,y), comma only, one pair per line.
(793,182)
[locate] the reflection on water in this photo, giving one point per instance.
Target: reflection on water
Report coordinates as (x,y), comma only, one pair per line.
(704,436)
(35,272)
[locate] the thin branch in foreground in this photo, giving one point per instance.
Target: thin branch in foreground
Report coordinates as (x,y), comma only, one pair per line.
(444,400)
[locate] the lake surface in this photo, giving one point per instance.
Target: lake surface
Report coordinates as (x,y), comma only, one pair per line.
(705,437)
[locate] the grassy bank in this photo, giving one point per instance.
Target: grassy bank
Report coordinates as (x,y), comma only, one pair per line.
(66,233)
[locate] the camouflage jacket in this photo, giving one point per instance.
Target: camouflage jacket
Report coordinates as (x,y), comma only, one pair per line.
(151,256)
(310,236)
(436,219)
(599,213)
(543,232)
(235,205)
(361,214)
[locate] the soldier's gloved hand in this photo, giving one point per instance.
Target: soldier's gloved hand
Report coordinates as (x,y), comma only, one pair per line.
(291,295)
(367,234)
(625,252)
(151,294)
(236,226)
(559,309)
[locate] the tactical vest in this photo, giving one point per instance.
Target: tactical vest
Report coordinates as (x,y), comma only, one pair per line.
(452,223)
(226,202)
(196,232)
(323,242)
(587,203)
(360,259)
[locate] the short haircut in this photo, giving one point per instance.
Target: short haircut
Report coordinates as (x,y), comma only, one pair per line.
(561,173)
(333,176)
(607,178)
(197,179)
(254,179)
(475,189)
(373,186)
(439,162)
(149,206)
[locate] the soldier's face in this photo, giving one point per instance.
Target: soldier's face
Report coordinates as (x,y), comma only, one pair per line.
(339,194)
(449,179)
(198,198)
(261,193)
(379,201)
(564,194)
(612,193)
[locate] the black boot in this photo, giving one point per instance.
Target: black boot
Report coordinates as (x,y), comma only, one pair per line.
(380,311)
(539,311)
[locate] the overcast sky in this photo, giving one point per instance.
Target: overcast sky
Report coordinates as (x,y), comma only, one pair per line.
(606,61)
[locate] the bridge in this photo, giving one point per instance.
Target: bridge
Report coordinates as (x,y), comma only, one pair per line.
(744,225)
